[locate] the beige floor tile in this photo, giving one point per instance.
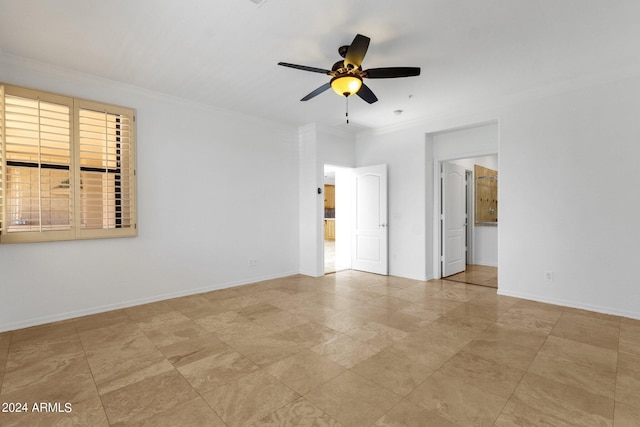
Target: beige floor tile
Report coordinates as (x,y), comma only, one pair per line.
(330,300)
(195,412)
(367,311)
(408,414)
(437,305)
(598,381)
(191,350)
(26,352)
(626,415)
(398,320)
(585,354)
(439,337)
(124,357)
(309,334)
(266,350)
(506,333)
(141,312)
(460,292)
(353,400)
(484,374)
(630,337)
(422,354)
(351,343)
(169,328)
(340,321)
(65,378)
(417,292)
(502,351)
(256,311)
(472,324)
(249,399)
(85,413)
(50,331)
(377,334)
(281,321)
(565,402)
(471,309)
(224,366)
(628,379)
(394,371)
(298,413)
(345,351)
(460,403)
(600,332)
(220,321)
(101,320)
(193,306)
(519,414)
(244,332)
(305,371)
(422,313)
(535,320)
(146,398)
(389,302)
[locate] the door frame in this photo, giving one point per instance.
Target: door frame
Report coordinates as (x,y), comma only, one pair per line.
(437,201)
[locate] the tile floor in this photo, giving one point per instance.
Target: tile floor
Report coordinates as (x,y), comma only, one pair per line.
(477,275)
(347,349)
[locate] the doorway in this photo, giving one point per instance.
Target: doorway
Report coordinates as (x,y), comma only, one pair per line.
(336,219)
(479,250)
(355,219)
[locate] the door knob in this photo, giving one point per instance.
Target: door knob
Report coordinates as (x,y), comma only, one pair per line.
(383,225)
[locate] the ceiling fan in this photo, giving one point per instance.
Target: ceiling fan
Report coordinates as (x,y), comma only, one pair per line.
(347,74)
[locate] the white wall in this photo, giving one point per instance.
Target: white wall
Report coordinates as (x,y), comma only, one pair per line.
(568,194)
(404,153)
(569,199)
(209,198)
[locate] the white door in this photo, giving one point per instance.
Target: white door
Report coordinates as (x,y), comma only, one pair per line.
(369,247)
(454,219)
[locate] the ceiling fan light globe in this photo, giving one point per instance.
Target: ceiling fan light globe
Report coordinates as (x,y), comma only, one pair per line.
(346,85)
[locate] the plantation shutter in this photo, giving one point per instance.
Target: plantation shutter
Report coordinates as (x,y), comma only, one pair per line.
(36,170)
(106,163)
(67,168)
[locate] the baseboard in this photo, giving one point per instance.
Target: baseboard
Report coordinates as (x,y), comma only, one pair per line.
(12,326)
(486,263)
(572,304)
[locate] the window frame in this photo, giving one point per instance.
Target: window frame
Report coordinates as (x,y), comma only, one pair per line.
(76,231)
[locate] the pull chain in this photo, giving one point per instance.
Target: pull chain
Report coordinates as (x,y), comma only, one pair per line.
(347,107)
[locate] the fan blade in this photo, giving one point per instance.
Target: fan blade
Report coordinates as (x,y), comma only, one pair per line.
(317,91)
(357,51)
(366,94)
(391,72)
(305,68)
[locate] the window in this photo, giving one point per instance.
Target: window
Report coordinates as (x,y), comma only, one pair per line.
(67,168)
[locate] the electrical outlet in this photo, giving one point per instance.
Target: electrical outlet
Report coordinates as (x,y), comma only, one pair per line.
(252,262)
(548,276)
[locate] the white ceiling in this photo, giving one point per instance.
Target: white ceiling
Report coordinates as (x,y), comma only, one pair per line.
(224,52)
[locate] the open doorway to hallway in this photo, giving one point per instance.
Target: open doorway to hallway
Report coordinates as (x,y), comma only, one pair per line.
(336,221)
(476,245)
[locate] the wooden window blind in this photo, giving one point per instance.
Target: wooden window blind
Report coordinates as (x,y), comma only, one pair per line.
(67,168)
